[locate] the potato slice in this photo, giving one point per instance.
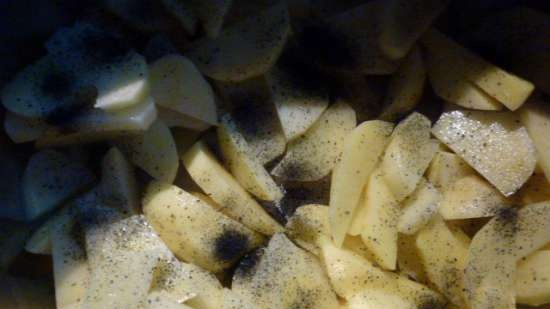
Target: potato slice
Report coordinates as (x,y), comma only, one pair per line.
(535,116)
(160,300)
(409,262)
(351,274)
(361,152)
(246,168)
(176,84)
(379,299)
(492,143)
(298,98)
(507,88)
(471,197)
(443,255)
(21,129)
(533,279)
(446,168)
(408,155)
(306,226)
(283,276)
(70,266)
(246,49)
(40,242)
(406,86)
(194,231)
(232,300)
(118,186)
(419,208)
(535,190)
(315,154)
(12,241)
(491,262)
(50,178)
(154,151)
(188,282)
(403,22)
(173,119)
(217,183)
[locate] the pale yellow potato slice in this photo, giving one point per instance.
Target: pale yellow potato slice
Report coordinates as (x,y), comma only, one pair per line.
(247,169)
(194,231)
(154,151)
(494,144)
(491,262)
(406,87)
(174,119)
(40,242)
(535,190)
(443,255)
(419,208)
(378,298)
(21,129)
(283,276)
(232,300)
(246,49)
(408,155)
(361,152)
(507,88)
(376,220)
(535,116)
(314,155)
(404,21)
(471,197)
(161,300)
(350,274)
(177,85)
(408,259)
(217,183)
(307,224)
(446,168)
(533,279)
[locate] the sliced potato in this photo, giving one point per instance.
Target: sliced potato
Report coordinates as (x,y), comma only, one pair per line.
(177,85)
(12,241)
(51,178)
(160,300)
(408,155)
(492,143)
(535,116)
(246,168)
(419,208)
(306,226)
(406,86)
(443,255)
(283,276)
(217,183)
(247,49)
(361,152)
(535,190)
(533,279)
(118,186)
(21,129)
(351,274)
(40,242)
(154,151)
(188,282)
(403,22)
(471,197)
(173,119)
(507,88)
(379,299)
(446,168)
(315,154)
(491,262)
(232,300)
(408,259)
(194,231)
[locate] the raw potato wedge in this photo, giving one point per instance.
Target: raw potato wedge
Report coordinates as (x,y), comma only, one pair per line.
(246,49)
(361,152)
(471,197)
(118,186)
(408,259)
(40,242)
(419,208)
(443,255)
(535,190)
(492,143)
(351,274)
(160,300)
(188,282)
(246,168)
(21,129)
(154,151)
(446,168)
(535,116)
(533,279)
(177,85)
(173,119)
(377,221)
(283,276)
(217,183)
(491,262)
(306,226)
(379,299)
(403,22)
(314,155)
(51,178)
(194,231)
(406,86)
(232,300)
(408,155)
(507,88)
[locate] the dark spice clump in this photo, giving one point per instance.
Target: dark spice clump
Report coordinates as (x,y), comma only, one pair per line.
(230,246)
(248,264)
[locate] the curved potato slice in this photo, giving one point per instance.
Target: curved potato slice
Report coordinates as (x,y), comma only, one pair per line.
(533,279)
(315,154)
(446,168)
(419,208)
(535,116)
(306,226)
(246,49)
(118,187)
